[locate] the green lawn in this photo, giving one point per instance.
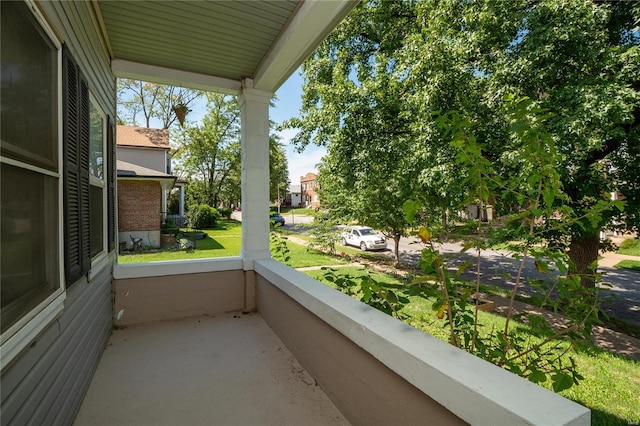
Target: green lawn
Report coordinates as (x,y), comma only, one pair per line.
(296,210)
(302,257)
(223,241)
(630,246)
(632,265)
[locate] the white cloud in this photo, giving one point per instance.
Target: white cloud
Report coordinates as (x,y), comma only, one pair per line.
(300,163)
(286,135)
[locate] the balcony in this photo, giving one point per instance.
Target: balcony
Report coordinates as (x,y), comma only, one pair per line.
(183,352)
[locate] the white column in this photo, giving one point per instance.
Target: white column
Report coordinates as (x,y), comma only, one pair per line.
(181,208)
(254,108)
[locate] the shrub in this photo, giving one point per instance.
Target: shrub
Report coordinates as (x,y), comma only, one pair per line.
(225,212)
(169,227)
(203,217)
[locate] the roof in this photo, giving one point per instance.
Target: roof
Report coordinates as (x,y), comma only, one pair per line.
(308,176)
(132,171)
(294,188)
(142,137)
(215,45)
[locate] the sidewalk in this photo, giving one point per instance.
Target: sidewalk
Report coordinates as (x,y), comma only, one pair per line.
(609,259)
(605,338)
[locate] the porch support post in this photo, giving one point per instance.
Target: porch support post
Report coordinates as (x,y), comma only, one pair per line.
(254,109)
(181,209)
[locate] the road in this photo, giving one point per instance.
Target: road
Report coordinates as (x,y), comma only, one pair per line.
(290,219)
(624,292)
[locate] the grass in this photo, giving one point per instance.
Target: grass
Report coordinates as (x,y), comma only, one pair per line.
(223,241)
(632,265)
(611,383)
(630,247)
(287,210)
(302,257)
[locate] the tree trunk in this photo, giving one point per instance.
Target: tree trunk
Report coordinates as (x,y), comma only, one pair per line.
(396,243)
(583,252)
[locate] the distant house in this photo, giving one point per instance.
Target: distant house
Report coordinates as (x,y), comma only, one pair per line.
(293,196)
(144,167)
(308,186)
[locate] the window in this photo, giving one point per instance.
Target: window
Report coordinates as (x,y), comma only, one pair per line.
(97,139)
(30,178)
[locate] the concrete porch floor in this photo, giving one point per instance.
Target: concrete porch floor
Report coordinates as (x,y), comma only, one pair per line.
(230,369)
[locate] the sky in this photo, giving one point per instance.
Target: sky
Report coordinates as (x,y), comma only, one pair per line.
(288,106)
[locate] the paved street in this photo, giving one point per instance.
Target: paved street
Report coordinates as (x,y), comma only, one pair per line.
(625,284)
(290,219)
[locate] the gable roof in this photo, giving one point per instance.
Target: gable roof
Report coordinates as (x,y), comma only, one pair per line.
(133,171)
(142,137)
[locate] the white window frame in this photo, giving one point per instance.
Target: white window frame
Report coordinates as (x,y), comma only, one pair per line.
(101,259)
(22,333)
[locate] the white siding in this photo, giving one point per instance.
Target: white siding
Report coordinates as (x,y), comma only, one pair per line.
(154,159)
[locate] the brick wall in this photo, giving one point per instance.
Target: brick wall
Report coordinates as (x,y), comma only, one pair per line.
(139,205)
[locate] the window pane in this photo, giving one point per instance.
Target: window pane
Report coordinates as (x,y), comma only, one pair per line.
(97,229)
(96,150)
(29,88)
(29,248)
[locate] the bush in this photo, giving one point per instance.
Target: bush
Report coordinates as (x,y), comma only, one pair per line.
(169,227)
(630,246)
(203,217)
(225,212)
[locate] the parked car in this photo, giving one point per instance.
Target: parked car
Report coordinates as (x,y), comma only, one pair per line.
(276,219)
(364,237)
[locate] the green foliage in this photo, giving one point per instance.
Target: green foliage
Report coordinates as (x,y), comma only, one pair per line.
(377,91)
(535,189)
(169,227)
(324,233)
(225,212)
(279,248)
(630,247)
(278,168)
(208,155)
(383,296)
(203,217)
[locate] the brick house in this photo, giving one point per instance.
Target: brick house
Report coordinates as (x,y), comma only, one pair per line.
(309,196)
(143,180)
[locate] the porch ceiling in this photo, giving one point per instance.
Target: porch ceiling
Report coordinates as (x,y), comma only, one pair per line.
(215,44)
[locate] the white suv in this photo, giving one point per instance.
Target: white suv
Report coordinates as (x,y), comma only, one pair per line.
(363,237)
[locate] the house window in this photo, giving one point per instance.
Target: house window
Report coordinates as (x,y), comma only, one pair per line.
(30,178)
(97,138)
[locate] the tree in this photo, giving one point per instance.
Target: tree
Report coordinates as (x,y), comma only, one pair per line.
(380,82)
(209,155)
(353,105)
(152,101)
(579,60)
(278,168)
